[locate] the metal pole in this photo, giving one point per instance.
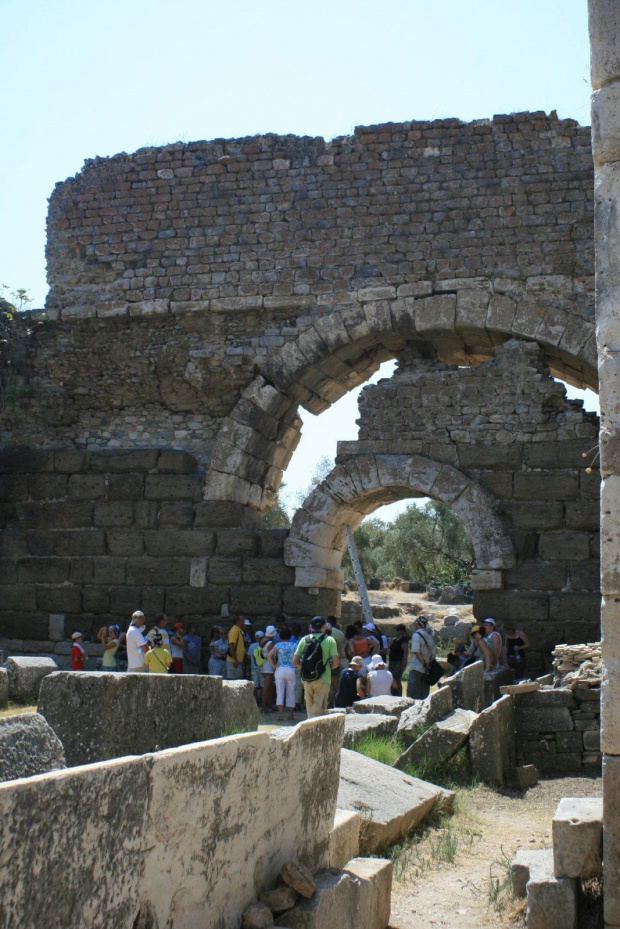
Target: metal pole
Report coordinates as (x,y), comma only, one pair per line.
(359,577)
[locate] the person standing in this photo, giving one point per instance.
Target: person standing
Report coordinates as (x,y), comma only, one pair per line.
(110,648)
(281,659)
(317,656)
(159,628)
(257,663)
(78,652)
(269,690)
(192,648)
(158,659)
(494,642)
(136,644)
(218,647)
(423,650)
(398,657)
(176,648)
(347,693)
(236,650)
(515,644)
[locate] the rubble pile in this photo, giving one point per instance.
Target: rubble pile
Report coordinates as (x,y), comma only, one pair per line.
(577,665)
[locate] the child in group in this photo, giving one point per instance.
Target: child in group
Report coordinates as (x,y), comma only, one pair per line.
(78,652)
(158,658)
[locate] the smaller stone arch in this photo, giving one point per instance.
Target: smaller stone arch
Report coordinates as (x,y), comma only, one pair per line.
(356,488)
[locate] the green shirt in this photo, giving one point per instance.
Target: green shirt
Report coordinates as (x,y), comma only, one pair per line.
(329,649)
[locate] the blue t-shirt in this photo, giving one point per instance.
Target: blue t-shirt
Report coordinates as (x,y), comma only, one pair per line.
(285,652)
(193,644)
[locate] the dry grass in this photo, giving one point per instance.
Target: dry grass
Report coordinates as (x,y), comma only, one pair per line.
(14,708)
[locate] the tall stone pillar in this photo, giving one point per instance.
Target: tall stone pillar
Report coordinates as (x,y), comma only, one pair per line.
(604,25)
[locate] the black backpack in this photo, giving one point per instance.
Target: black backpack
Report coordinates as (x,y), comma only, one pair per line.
(312,661)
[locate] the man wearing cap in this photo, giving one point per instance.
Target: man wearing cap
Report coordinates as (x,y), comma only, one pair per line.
(136,644)
(316,692)
(398,656)
(255,669)
(423,650)
(78,653)
(267,671)
(236,650)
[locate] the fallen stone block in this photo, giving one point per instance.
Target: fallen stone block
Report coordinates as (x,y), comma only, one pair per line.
(522,777)
(344,839)
(280,899)
(156,712)
(25,676)
(358,895)
(257,916)
(298,878)
(494,680)
(390,706)
(424,713)
(467,687)
(28,746)
(520,866)
(359,725)
(389,802)
(578,837)
(440,742)
(551,900)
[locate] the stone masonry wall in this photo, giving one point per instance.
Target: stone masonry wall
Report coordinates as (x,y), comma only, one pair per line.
(90,537)
(559,729)
(507,425)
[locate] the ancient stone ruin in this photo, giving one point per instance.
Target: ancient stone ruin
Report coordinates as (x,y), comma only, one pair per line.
(202,294)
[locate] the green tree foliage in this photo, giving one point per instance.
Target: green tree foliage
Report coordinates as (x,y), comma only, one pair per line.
(13,343)
(428,544)
(277,517)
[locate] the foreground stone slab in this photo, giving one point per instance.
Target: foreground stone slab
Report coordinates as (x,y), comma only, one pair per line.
(359,725)
(525,860)
(389,802)
(424,713)
(344,839)
(467,687)
(551,901)
(358,895)
(28,746)
(25,676)
(578,837)
(81,830)
(492,748)
(197,849)
(440,742)
(100,715)
(494,681)
(390,706)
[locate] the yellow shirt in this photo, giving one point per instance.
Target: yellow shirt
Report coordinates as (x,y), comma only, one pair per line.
(236,639)
(158,660)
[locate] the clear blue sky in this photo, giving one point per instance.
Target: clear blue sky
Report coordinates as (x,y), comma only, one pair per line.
(84,78)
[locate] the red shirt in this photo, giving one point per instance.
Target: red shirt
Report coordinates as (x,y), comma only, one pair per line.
(77,658)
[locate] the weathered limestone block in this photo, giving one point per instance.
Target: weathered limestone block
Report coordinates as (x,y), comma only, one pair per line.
(359,725)
(363,887)
(611,838)
(491,733)
(551,901)
(91,858)
(26,675)
(279,900)
(526,859)
(344,839)
(390,803)
(293,774)
(440,742)
(467,687)
(257,916)
(28,746)
(604,28)
(424,713)
(544,719)
(493,680)
(578,837)
(390,706)
(79,708)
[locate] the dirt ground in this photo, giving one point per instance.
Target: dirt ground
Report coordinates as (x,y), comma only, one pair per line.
(409,606)
(486,833)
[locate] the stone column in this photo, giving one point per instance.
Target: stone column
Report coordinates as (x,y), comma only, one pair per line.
(604,26)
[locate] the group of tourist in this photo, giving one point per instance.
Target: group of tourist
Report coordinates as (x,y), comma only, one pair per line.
(323,667)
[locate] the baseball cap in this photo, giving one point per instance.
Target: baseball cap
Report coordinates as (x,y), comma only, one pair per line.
(357,660)
(259,634)
(178,626)
(247,622)
(317,623)
(77,635)
(271,630)
(490,620)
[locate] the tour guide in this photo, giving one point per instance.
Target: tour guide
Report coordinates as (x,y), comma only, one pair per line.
(316,669)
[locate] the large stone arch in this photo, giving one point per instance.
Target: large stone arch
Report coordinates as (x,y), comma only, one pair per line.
(339,350)
(362,484)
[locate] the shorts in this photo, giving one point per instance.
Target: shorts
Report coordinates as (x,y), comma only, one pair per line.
(258,678)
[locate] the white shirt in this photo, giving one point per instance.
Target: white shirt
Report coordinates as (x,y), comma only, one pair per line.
(134,641)
(380,683)
(422,642)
